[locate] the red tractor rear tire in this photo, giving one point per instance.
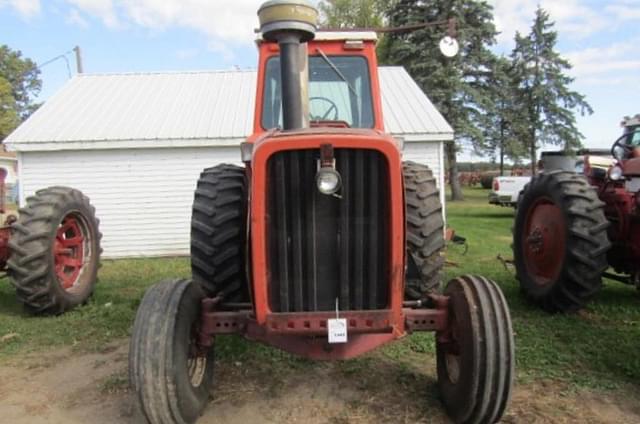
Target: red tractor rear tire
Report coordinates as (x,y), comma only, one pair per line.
(425,234)
(55,251)
(219,233)
(560,241)
(170,377)
(475,358)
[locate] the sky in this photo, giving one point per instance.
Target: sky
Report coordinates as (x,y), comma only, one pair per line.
(599,37)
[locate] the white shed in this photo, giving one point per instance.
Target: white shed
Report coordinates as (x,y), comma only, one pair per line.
(136,143)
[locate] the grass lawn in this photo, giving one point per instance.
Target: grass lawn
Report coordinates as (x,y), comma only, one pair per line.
(599,347)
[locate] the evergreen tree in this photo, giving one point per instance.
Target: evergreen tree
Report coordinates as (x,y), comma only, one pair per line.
(502,120)
(547,104)
(457,86)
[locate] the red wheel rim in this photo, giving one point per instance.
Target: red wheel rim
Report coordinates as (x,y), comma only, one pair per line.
(69,250)
(544,241)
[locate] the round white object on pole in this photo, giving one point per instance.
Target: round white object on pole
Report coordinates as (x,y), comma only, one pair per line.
(449,46)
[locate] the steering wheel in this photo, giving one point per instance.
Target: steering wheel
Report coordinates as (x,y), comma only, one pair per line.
(332,107)
(628,148)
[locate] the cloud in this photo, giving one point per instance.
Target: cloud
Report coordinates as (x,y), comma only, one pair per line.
(221,20)
(625,11)
(74,18)
(613,64)
(228,20)
(103,9)
(26,8)
(574,18)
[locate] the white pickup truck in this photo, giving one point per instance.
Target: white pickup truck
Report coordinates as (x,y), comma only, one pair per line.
(506,190)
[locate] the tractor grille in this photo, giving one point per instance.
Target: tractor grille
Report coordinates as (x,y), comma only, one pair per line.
(324,247)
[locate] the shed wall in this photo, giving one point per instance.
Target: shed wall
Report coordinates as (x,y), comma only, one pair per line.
(142,197)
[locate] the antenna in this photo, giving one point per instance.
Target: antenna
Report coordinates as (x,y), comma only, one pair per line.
(78,52)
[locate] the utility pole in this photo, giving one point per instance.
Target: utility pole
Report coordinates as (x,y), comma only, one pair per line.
(78,59)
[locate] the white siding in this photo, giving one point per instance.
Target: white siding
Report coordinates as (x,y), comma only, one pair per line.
(142,197)
(428,153)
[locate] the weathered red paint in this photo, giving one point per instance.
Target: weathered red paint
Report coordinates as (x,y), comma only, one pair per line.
(544,241)
(5,236)
(68,251)
(632,167)
(314,138)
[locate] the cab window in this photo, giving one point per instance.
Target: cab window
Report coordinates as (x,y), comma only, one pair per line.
(339,90)
(633,135)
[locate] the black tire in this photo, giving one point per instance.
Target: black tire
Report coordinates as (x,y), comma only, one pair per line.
(476,364)
(42,283)
(219,233)
(168,387)
(425,231)
(566,272)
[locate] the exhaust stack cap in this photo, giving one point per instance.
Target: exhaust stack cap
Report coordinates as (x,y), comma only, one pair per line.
(287,16)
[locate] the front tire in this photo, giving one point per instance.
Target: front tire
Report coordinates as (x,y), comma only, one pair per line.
(170,378)
(560,241)
(55,251)
(475,358)
(425,231)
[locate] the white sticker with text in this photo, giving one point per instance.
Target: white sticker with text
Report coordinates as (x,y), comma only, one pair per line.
(337,330)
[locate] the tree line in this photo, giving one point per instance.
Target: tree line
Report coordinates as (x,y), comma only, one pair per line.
(504,106)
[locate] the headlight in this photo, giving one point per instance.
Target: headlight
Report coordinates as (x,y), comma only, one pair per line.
(619,152)
(328,181)
(615,173)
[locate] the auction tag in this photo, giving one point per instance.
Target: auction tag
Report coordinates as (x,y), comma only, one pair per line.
(337,330)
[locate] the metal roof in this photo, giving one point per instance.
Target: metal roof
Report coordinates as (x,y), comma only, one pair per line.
(171,109)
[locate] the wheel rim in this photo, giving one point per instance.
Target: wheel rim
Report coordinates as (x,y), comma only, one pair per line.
(544,241)
(196,366)
(452,363)
(196,361)
(71,251)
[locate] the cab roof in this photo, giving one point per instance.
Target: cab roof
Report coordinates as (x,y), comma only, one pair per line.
(330,35)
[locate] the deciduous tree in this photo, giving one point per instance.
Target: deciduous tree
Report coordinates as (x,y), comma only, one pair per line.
(19,84)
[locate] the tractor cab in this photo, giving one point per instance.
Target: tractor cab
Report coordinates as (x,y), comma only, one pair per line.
(626,151)
(632,134)
(342,82)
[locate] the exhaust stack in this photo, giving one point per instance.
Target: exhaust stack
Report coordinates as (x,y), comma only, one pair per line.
(291,23)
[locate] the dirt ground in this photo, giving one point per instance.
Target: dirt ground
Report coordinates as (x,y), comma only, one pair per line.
(66,387)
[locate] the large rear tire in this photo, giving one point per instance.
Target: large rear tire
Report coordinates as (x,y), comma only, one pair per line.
(475,358)
(55,251)
(170,378)
(425,234)
(219,233)
(560,241)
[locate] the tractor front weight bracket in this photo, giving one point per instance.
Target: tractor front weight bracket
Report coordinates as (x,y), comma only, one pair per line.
(214,321)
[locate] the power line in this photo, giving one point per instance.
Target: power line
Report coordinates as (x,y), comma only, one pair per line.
(61,56)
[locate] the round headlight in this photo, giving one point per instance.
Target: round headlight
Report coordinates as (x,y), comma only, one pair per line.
(615,173)
(328,181)
(619,152)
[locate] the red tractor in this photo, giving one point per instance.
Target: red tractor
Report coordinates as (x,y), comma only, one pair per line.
(571,227)
(51,253)
(324,244)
